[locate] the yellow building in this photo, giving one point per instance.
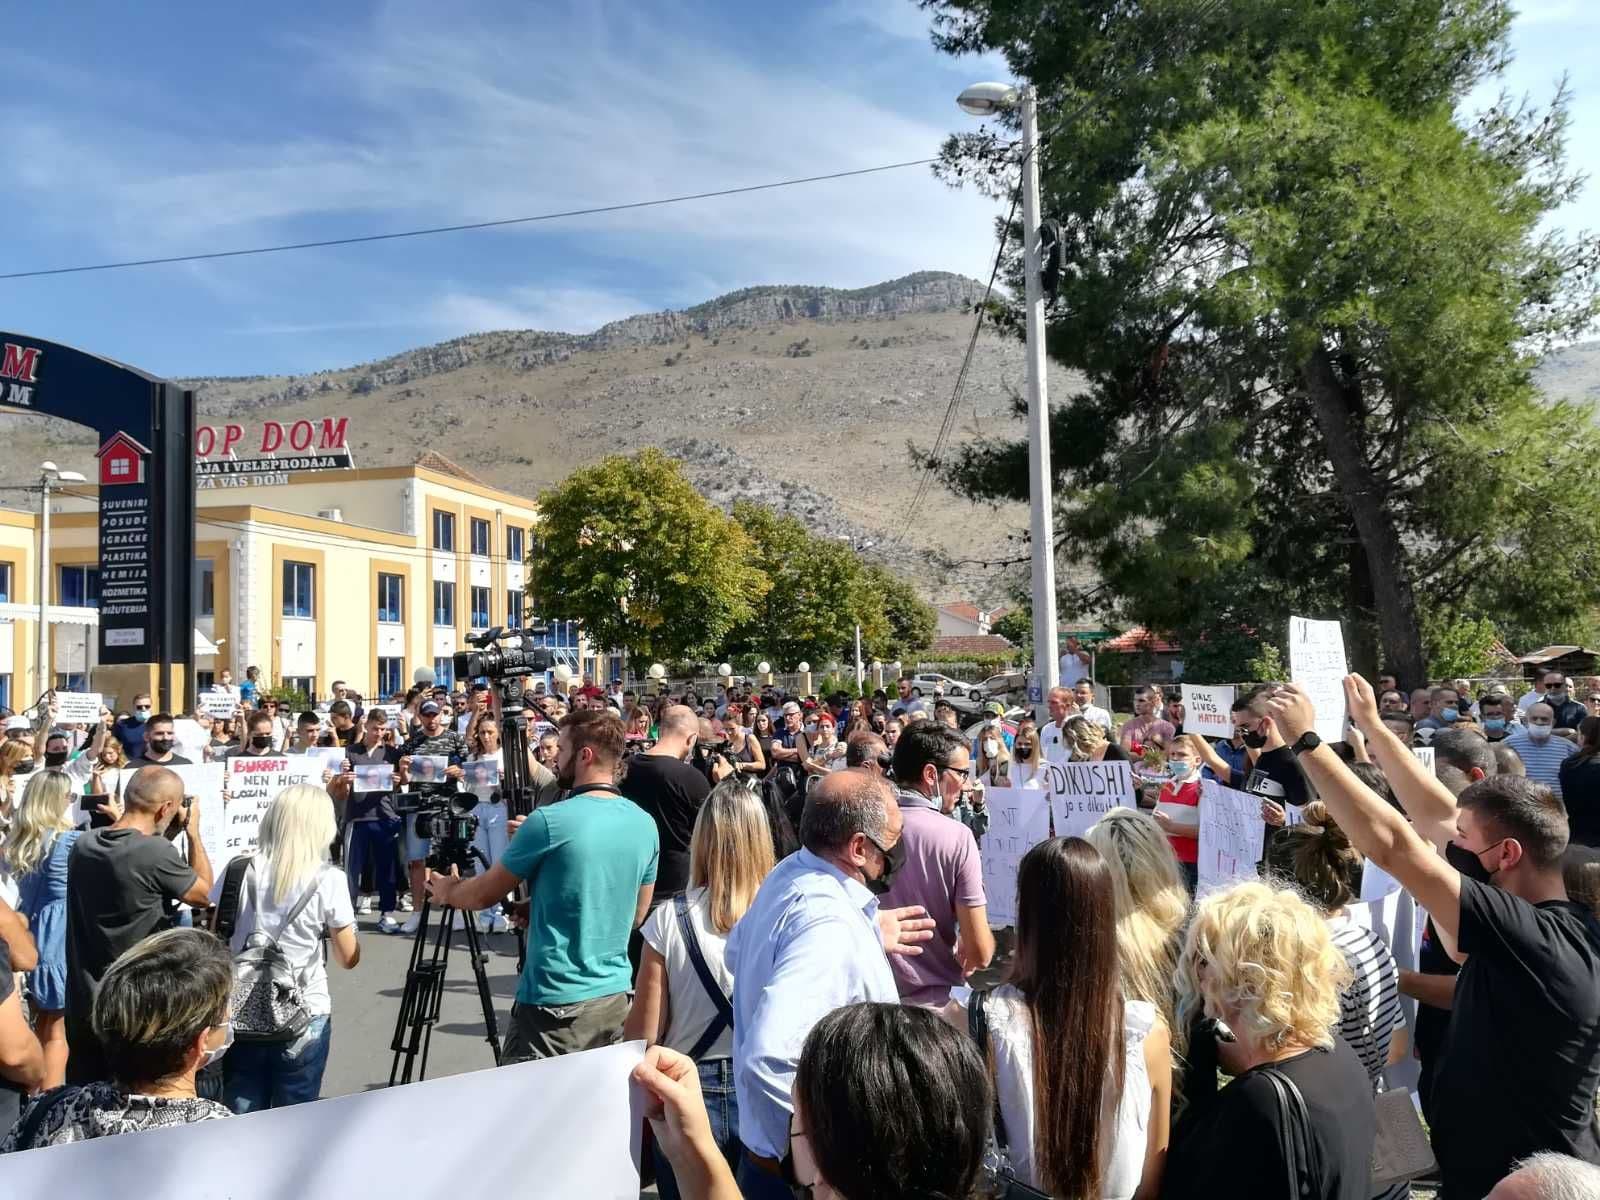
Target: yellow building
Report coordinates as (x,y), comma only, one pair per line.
(358,575)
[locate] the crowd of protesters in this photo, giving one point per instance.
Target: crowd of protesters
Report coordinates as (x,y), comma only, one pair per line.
(784,897)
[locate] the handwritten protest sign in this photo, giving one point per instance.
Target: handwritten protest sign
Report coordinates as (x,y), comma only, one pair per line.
(219,705)
(484,773)
(374,777)
(1425,757)
(1208,711)
(78,708)
(1232,834)
(589,1117)
(1019,819)
(1086,791)
(203,781)
(253,784)
(429,768)
(1317,664)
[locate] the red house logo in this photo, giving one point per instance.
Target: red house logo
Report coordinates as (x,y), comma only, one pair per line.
(121,461)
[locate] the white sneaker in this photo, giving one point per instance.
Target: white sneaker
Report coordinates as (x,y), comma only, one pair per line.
(411,925)
(405,904)
(364,906)
(501,923)
(387,924)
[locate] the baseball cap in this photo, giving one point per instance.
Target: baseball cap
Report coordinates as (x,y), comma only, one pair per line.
(995,707)
(428,708)
(15,723)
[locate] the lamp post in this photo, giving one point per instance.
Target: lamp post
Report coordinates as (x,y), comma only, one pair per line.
(657,673)
(805,679)
(48,473)
(983,100)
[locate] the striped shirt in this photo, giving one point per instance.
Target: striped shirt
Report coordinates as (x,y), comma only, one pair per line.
(1542,760)
(1369,1009)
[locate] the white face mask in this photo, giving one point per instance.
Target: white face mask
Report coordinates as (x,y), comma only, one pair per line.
(1539,733)
(211,1056)
(991,748)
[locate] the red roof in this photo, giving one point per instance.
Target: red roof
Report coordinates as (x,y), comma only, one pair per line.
(1139,639)
(966,610)
(955,647)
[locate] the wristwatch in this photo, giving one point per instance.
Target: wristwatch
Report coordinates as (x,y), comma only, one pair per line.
(1306,742)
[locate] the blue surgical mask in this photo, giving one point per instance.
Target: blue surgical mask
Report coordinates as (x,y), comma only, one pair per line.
(141,715)
(1180,770)
(1495,724)
(1449,715)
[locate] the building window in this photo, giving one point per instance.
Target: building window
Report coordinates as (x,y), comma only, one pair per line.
(513,544)
(513,609)
(5,583)
(205,601)
(391,599)
(480,608)
(444,604)
(444,530)
(305,684)
(80,587)
(480,538)
(204,681)
(71,681)
(444,672)
(298,585)
(5,690)
(390,672)
(558,635)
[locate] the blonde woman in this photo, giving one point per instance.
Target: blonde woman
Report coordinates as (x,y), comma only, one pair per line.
(730,853)
(994,758)
(36,851)
(1152,906)
(292,894)
(1027,758)
(1259,960)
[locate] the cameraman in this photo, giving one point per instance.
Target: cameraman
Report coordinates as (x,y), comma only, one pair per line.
(434,736)
(662,781)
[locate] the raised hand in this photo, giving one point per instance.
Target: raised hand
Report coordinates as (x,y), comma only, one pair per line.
(903,930)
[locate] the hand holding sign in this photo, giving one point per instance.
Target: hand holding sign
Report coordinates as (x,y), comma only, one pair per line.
(428,768)
(1292,712)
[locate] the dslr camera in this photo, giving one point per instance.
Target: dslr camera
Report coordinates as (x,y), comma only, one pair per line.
(492,660)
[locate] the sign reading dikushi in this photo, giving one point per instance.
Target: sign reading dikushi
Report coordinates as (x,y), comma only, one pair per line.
(1086,791)
(1317,663)
(1208,711)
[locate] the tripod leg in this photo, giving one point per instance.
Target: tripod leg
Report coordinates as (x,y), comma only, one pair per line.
(419,1004)
(485,996)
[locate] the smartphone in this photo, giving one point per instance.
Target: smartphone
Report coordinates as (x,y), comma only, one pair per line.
(98,819)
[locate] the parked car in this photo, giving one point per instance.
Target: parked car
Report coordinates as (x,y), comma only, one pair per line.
(1002,686)
(927,682)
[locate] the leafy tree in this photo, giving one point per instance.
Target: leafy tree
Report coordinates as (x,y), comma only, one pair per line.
(1305,299)
(628,548)
(1459,648)
(1016,626)
(909,620)
(1226,655)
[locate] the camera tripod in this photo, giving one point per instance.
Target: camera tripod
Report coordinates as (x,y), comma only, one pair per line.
(419,1003)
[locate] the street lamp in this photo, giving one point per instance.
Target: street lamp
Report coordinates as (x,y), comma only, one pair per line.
(48,473)
(985,100)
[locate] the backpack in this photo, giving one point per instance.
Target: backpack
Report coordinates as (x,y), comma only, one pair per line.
(268,1004)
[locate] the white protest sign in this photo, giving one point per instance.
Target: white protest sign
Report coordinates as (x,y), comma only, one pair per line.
(1086,791)
(219,705)
(1376,883)
(203,781)
(191,740)
(1232,834)
(484,773)
(1317,664)
(1208,711)
(588,1114)
(253,784)
(330,758)
(374,777)
(1019,819)
(1425,756)
(78,708)
(429,768)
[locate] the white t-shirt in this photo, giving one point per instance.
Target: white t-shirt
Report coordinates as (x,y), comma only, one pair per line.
(1073,669)
(1125,1119)
(1026,774)
(691,1010)
(1096,715)
(329,909)
(1052,744)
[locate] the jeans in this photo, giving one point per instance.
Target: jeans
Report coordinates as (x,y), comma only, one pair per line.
(716,1085)
(491,836)
(261,1075)
(373,840)
(756,1184)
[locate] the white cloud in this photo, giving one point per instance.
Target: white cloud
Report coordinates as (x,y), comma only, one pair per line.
(559,309)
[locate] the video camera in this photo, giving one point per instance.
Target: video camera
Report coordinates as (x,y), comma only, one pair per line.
(494,661)
(444,819)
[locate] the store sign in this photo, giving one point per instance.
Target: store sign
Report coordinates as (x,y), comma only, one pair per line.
(272,437)
(124,544)
(264,472)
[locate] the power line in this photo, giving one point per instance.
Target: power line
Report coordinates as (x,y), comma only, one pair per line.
(496,224)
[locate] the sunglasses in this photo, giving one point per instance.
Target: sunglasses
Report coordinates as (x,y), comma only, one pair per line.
(141,708)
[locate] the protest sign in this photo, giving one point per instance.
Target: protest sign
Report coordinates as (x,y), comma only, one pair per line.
(1425,757)
(203,781)
(1086,791)
(484,773)
(1232,834)
(1317,664)
(374,777)
(389,712)
(77,708)
(189,739)
(428,768)
(253,784)
(329,758)
(219,705)
(1019,819)
(588,1115)
(1208,711)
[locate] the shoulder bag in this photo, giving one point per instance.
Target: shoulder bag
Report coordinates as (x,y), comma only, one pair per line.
(724,1018)
(999,1179)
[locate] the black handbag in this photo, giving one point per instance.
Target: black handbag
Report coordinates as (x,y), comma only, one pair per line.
(1296,1122)
(999,1177)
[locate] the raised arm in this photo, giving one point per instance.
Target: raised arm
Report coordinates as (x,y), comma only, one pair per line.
(1427,802)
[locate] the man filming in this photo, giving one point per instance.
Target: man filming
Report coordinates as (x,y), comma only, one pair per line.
(433,738)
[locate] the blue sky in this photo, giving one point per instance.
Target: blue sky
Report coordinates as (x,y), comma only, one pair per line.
(162,129)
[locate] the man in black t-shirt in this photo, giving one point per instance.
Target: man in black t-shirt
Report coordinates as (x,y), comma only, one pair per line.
(119,880)
(661,782)
(159,738)
(1520,1065)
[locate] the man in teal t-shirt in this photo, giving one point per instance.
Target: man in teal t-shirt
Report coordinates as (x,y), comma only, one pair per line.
(590,863)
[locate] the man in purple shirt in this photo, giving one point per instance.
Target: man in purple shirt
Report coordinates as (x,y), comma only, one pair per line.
(942,871)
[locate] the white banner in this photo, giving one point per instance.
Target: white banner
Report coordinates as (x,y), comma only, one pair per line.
(78,708)
(584,1107)
(1317,664)
(1232,834)
(253,784)
(1019,819)
(1425,757)
(189,739)
(219,705)
(1086,791)
(203,781)
(1208,711)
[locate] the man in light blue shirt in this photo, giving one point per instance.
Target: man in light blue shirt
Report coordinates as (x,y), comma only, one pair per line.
(813,940)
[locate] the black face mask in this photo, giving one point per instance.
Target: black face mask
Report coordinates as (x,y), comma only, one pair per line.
(893,859)
(260,741)
(55,758)
(160,745)
(1255,739)
(1468,863)
(1022,752)
(25,766)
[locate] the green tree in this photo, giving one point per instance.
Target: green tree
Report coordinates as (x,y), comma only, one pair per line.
(1016,627)
(628,548)
(909,621)
(1459,648)
(1305,298)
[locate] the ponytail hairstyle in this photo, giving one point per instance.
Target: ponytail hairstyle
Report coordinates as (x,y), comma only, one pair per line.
(1317,858)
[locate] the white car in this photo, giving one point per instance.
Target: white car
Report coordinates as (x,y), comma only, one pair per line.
(927,683)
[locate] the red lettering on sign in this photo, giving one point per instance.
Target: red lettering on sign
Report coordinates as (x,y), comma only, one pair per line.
(205,441)
(230,437)
(271,437)
(301,434)
(333,433)
(19,363)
